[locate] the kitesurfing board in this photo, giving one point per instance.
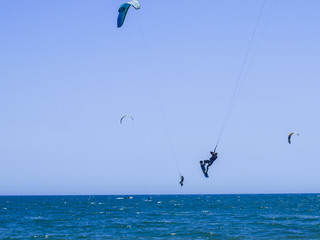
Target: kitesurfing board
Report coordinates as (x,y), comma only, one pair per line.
(204,169)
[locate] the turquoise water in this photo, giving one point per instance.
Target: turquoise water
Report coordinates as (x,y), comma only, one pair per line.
(292,216)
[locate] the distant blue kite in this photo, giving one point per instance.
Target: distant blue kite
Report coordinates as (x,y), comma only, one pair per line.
(124,9)
(290,135)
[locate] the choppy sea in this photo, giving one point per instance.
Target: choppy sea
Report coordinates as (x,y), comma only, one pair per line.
(280,216)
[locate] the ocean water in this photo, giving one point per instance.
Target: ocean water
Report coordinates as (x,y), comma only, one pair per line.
(283,216)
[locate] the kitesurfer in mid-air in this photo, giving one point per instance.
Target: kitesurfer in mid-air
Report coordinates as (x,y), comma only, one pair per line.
(181,180)
(213,157)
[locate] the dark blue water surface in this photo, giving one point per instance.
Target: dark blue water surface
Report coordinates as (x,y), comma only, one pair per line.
(287,216)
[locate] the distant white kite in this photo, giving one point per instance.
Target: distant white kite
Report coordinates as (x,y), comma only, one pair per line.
(129,116)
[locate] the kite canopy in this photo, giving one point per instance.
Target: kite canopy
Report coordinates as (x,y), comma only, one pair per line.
(123,9)
(135,4)
(290,135)
(125,116)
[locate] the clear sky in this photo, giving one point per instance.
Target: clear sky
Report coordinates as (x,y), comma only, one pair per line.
(67,75)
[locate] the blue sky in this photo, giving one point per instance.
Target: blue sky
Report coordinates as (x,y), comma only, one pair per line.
(67,75)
